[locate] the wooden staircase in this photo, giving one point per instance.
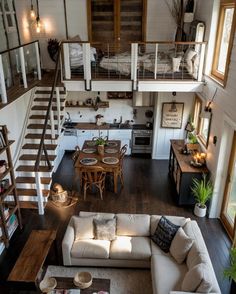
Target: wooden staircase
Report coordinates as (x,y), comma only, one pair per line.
(25,181)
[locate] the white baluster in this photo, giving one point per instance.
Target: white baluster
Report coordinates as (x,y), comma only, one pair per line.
(52,124)
(38,60)
(87,64)
(66,52)
(2,83)
(201,62)
(155,68)
(39,189)
(22,63)
(134,64)
(58,109)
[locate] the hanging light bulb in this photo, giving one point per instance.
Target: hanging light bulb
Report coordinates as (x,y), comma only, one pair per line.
(32,12)
(38,22)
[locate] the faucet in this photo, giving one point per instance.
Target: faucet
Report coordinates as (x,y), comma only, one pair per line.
(120,121)
(68,119)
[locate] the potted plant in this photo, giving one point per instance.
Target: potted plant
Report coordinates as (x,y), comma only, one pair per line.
(100,142)
(192,142)
(230,272)
(202,191)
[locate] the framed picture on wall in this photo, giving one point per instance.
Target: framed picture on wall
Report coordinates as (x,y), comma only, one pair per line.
(172,115)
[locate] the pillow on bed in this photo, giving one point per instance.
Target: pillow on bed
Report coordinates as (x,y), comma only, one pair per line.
(176,63)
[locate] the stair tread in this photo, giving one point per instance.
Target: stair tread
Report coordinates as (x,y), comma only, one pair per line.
(31,192)
(41,116)
(39,126)
(27,204)
(48,92)
(30,168)
(36,146)
(38,136)
(46,99)
(34,157)
(44,108)
(31,180)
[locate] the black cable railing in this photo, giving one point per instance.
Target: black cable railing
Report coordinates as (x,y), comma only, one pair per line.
(42,147)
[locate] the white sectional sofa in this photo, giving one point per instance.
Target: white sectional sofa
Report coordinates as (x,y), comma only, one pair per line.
(133,247)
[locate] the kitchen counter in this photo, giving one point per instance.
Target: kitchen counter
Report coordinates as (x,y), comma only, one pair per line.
(93,126)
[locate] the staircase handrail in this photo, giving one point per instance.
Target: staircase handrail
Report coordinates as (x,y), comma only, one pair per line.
(41,144)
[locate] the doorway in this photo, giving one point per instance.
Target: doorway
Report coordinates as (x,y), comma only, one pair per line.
(228,211)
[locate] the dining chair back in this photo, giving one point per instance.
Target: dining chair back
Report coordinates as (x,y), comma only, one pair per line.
(123,150)
(93,176)
(76,154)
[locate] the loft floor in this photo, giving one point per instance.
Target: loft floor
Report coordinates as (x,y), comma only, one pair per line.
(147,190)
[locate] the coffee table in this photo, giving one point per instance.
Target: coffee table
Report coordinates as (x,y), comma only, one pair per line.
(97,285)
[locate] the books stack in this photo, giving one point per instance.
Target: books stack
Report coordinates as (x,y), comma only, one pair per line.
(12,225)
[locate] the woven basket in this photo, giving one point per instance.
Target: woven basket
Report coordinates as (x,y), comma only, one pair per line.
(59,197)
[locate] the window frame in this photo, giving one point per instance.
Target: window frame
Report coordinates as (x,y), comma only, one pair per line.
(218,76)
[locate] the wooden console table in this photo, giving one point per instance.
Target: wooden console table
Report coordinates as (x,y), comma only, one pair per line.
(182,173)
(32,257)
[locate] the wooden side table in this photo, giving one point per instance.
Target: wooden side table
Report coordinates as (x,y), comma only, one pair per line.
(32,257)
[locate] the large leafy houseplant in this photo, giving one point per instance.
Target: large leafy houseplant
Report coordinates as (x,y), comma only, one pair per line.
(230,272)
(202,191)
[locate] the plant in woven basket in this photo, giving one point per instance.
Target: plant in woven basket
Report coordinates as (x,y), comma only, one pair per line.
(53,47)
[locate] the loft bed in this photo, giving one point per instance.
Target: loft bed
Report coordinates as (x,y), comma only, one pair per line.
(145,61)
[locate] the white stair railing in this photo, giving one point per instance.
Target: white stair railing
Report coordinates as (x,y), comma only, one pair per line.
(2,83)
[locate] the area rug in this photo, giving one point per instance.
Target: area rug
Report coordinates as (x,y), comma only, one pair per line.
(123,281)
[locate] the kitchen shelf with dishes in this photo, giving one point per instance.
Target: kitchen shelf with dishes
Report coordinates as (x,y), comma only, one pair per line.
(10,216)
(76,104)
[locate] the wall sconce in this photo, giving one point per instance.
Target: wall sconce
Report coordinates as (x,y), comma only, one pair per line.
(32,12)
(215,140)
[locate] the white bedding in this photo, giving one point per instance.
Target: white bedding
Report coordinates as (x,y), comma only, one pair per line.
(76,54)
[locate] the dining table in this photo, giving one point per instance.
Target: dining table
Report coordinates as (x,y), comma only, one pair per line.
(90,151)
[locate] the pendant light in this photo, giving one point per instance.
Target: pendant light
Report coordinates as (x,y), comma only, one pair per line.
(38,22)
(32,12)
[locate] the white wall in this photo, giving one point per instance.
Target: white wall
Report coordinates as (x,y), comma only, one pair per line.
(116,109)
(13,116)
(162,136)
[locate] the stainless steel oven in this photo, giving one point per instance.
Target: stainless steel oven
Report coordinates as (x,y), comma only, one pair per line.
(141,141)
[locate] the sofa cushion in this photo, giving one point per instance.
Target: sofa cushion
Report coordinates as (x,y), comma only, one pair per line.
(97,215)
(125,247)
(193,231)
(133,225)
(198,279)
(83,227)
(105,229)
(164,233)
(167,275)
(180,246)
(90,249)
(177,220)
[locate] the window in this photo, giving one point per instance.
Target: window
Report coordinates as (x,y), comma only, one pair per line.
(201,122)
(224,40)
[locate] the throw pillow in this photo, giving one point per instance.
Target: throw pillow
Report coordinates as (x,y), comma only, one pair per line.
(83,228)
(176,63)
(198,279)
(105,229)
(164,233)
(180,246)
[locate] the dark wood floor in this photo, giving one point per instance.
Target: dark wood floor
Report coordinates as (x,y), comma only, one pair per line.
(147,190)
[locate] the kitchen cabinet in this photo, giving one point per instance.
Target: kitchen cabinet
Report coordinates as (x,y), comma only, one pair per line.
(123,135)
(182,173)
(143,99)
(83,135)
(99,133)
(69,139)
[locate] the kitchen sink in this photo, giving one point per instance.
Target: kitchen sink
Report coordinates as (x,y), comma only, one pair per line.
(120,126)
(69,125)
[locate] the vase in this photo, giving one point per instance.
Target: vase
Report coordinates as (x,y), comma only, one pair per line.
(101,150)
(199,211)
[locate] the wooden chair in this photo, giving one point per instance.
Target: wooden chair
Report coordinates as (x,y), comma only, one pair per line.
(93,176)
(123,150)
(75,155)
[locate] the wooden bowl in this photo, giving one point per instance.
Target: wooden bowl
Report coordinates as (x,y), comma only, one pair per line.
(47,284)
(83,280)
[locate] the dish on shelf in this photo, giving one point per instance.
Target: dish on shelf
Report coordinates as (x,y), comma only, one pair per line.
(110,160)
(111,144)
(88,161)
(89,150)
(111,150)
(47,285)
(91,143)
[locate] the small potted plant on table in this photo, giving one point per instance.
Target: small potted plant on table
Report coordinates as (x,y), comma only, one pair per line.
(100,142)
(202,191)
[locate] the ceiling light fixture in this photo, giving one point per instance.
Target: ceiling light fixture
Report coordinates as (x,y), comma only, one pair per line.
(32,12)
(38,22)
